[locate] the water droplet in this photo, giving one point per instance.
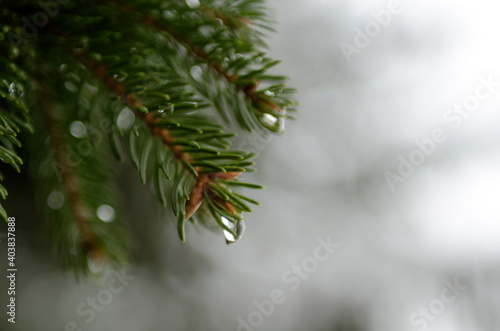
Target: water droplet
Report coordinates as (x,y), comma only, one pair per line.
(63,67)
(259,59)
(210,47)
(55,200)
(193,3)
(125,119)
(133,50)
(169,14)
(166,110)
(206,30)
(269,93)
(239,228)
(78,129)
(70,86)
(120,78)
(14,52)
(13,90)
(93,89)
(16,90)
(106,213)
(270,119)
(238,56)
(96,265)
(196,72)
(277,124)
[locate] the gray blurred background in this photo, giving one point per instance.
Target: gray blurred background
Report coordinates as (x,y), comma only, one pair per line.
(400,251)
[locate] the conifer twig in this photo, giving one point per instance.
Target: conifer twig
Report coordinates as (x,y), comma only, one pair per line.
(249,90)
(202,180)
(68,176)
(225,18)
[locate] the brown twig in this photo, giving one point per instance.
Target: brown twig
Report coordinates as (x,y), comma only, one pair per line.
(69,178)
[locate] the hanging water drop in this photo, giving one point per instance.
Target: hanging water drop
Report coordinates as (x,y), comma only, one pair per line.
(70,86)
(96,264)
(125,119)
(239,228)
(206,30)
(166,110)
(169,14)
(14,52)
(269,119)
(55,200)
(269,93)
(12,90)
(106,213)
(78,129)
(196,72)
(119,77)
(274,123)
(193,3)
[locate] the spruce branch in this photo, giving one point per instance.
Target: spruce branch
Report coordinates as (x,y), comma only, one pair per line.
(169,78)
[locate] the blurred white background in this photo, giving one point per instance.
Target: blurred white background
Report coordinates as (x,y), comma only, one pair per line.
(325,177)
